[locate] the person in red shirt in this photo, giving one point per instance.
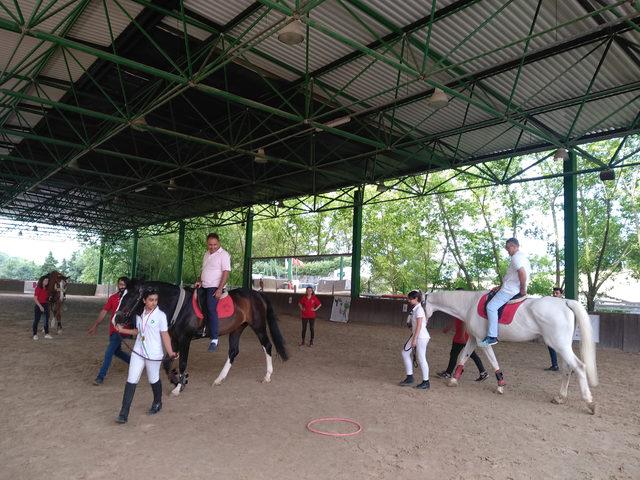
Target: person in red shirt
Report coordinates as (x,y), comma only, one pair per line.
(115,339)
(41,297)
(308,304)
(460,338)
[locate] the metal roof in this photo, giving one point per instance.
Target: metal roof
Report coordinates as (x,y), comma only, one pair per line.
(120,114)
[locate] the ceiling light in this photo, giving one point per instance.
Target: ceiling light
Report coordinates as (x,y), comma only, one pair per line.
(336,122)
(260,156)
(35,228)
(172,184)
(381,188)
(138,124)
(438,99)
(280,204)
(607,175)
(561,154)
(20,233)
(292,33)
(140,189)
(73,164)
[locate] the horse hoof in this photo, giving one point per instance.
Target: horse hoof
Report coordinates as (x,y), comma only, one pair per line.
(217,382)
(176,391)
(452,382)
(592,407)
(266,380)
(500,390)
(559,400)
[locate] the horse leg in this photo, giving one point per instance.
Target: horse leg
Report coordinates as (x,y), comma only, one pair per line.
(261,333)
(573,363)
(59,317)
(234,349)
(491,357)
(462,359)
(183,378)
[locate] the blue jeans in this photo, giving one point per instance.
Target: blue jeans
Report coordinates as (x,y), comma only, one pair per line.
(37,314)
(554,357)
(212,307)
(492,311)
(114,348)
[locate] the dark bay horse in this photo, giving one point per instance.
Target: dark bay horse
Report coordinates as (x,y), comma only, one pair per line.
(251,308)
(56,289)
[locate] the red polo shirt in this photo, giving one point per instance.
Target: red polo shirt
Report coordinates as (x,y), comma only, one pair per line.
(460,335)
(112,306)
(308,304)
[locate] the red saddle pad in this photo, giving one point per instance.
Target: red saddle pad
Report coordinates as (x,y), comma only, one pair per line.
(508,311)
(225,307)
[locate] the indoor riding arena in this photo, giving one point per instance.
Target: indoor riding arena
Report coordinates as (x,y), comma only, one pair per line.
(59,426)
(405,130)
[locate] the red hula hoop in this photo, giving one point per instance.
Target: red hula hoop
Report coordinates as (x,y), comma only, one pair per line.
(334,419)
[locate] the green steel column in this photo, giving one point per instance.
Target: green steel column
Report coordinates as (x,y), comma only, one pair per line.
(356,248)
(247,269)
(134,255)
(341,276)
(101,262)
(180,253)
(570,227)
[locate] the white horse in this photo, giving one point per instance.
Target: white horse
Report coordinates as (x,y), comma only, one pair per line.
(549,317)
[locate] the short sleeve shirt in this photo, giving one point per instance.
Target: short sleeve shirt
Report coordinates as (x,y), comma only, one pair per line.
(511,281)
(112,307)
(418,312)
(308,304)
(149,342)
(42,295)
(213,264)
(460,335)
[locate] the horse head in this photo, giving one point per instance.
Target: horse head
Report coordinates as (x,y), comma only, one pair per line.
(130,304)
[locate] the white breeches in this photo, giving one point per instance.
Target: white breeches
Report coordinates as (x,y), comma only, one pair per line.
(421,356)
(138,364)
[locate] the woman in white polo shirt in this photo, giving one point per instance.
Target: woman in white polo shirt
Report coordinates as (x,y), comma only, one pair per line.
(151,333)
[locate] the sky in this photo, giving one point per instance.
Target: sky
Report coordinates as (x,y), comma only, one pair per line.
(36,249)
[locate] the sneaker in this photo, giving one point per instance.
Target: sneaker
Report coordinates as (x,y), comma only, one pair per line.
(487,342)
(301,344)
(311,344)
(98,381)
(35,337)
(48,336)
(424,385)
(552,368)
(443,374)
(213,346)
(407,381)
(483,376)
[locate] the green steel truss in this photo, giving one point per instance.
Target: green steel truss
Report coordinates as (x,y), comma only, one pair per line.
(164,115)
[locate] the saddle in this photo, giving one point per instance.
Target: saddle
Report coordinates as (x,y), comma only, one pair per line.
(505,312)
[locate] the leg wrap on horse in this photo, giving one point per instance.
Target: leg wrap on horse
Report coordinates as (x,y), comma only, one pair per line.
(500,378)
(457,373)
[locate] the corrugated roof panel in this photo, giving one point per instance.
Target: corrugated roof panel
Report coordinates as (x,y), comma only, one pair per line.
(608,114)
(221,12)
(192,31)
(51,17)
(68,65)
(17,51)
(93,26)
(25,119)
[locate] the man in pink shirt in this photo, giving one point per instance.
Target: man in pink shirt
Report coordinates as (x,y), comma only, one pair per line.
(216,265)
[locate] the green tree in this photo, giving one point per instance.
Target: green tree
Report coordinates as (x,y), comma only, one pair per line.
(50,264)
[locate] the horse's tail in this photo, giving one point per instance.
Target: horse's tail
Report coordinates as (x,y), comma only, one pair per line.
(274,329)
(587,345)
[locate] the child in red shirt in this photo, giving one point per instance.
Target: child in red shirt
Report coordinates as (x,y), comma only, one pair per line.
(41,298)
(308,304)
(460,338)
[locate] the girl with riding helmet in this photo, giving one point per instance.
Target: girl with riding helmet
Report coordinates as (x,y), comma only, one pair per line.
(151,334)
(418,340)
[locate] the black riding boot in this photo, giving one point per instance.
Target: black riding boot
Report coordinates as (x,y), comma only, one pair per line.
(157,398)
(127,398)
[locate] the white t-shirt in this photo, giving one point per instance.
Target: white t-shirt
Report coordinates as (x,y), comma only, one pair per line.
(213,264)
(511,281)
(418,312)
(149,326)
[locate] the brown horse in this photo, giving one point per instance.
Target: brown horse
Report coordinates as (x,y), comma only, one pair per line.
(56,289)
(250,308)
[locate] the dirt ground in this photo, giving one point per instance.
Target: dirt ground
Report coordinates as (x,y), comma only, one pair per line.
(55,424)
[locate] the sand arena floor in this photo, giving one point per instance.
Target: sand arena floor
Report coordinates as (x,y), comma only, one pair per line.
(57,425)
